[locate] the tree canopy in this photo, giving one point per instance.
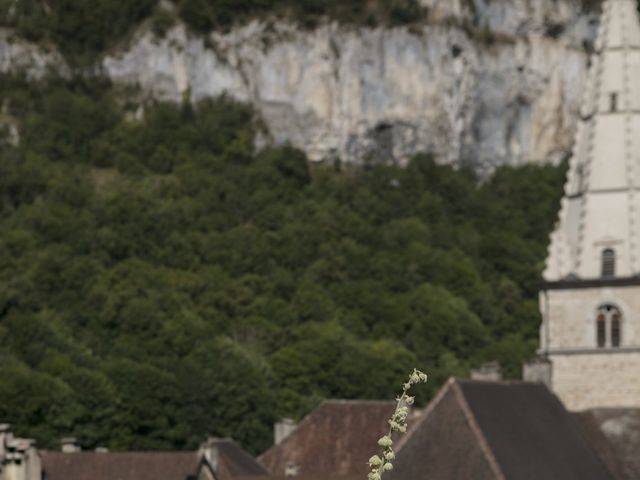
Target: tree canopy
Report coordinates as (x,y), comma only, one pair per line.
(83,29)
(160,280)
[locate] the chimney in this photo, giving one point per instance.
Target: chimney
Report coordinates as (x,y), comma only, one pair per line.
(537,370)
(211,452)
(487,372)
(5,437)
(69,445)
(283,429)
(19,459)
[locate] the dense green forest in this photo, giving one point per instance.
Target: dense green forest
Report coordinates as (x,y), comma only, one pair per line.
(161,281)
(82,29)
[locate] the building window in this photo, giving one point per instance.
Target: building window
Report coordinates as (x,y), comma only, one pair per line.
(615,329)
(609,327)
(601,331)
(613,102)
(581,179)
(608,262)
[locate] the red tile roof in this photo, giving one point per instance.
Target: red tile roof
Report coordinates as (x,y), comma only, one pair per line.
(119,465)
(336,439)
(316,476)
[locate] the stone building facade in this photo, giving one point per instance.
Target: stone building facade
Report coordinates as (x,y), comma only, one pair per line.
(19,459)
(590,303)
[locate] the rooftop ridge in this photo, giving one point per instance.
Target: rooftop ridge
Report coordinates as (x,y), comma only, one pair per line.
(356,401)
(506,382)
(433,404)
(472,421)
(309,417)
(119,452)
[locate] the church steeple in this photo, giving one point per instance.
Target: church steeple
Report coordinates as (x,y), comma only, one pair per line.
(600,215)
(590,302)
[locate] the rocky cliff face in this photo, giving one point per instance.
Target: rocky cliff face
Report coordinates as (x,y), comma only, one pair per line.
(485,82)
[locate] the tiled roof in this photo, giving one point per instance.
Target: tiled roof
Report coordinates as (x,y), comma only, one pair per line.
(471,430)
(336,439)
(530,433)
(598,440)
(621,426)
(234,462)
(119,465)
(441,445)
(228,462)
(497,431)
(316,476)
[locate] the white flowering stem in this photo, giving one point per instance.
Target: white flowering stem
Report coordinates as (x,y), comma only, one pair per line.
(397,423)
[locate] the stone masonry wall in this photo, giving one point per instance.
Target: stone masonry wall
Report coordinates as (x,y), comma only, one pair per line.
(596,380)
(572,315)
(585,376)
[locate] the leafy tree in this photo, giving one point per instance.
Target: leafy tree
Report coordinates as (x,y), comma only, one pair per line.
(40,405)
(326,361)
(81,28)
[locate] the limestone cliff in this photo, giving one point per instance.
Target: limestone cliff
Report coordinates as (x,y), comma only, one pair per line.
(484,82)
(17,55)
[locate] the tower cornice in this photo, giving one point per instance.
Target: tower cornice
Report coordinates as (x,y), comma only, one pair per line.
(582,283)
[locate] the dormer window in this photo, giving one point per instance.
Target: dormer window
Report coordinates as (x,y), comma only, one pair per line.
(608,327)
(291,469)
(613,102)
(608,262)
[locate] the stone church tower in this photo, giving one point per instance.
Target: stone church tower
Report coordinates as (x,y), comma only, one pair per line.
(590,301)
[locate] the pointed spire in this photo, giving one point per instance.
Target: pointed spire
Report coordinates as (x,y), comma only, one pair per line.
(619,26)
(601,207)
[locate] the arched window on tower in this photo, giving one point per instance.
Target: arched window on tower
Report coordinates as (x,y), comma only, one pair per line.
(615,329)
(581,179)
(601,330)
(609,326)
(608,262)
(613,102)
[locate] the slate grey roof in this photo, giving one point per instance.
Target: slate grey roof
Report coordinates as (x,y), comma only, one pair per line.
(483,430)
(234,462)
(530,433)
(621,426)
(231,462)
(119,465)
(597,439)
(335,439)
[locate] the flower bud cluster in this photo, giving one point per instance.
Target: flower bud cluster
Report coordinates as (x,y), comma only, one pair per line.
(397,423)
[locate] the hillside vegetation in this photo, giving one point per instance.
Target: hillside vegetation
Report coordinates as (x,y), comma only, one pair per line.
(161,281)
(83,29)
